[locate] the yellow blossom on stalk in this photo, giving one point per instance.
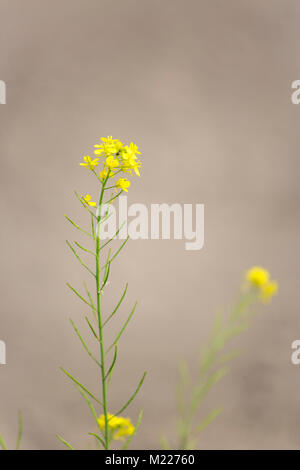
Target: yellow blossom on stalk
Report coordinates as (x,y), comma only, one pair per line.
(103,174)
(123,184)
(111,162)
(130,151)
(257,276)
(131,164)
(89,163)
(268,290)
(88,201)
(119,427)
(109,146)
(129,159)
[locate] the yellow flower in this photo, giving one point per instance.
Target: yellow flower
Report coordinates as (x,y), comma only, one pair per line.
(130,151)
(257,276)
(89,163)
(103,174)
(87,200)
(123,184)
(111,162)
(260,279)
(109,146)
(119,427)
(131,164)
(268,290)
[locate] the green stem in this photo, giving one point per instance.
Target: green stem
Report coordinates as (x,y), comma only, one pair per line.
(100,326)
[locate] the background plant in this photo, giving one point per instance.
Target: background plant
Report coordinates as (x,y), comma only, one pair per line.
(117,159)
(19,436)
(214,358)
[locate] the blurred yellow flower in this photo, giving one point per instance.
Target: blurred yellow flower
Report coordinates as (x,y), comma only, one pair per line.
(131,164)
(268,290)
(109,146)
(123,184)
(89,163)
(129,157)
(111,162)
(88,201)
(130,151)
(257,276)
(119,427)
(103,174)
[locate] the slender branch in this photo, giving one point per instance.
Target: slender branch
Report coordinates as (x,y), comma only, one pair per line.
(118,305)
(85,249)
(132,396)
(122,329)
(78,295)
(61,439)
(77,226)
(81,386)
(98,438)
(79,259)
(2,443)
(84,344)
(91,328)
(20,431)
(109,372)
(113,237)
(100,326)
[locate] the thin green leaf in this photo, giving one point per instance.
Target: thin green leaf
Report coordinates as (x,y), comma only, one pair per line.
(118,305)
(231,332)
(114,197)
(81,386)
(213,415)
(84,249)
(93,227)
(122,329)
(107,270)
(20,430)
(110,370)
(79,259)
(91,327)
(90,405)
(78,295)
(132,396)
(204,389)
(98,438)
(99,179)
(2,443)
(218,343)
(64,442)
(91,300)
(77,226)
(84,344)
(113,237)
(118,251)
(140,416)
(228,356)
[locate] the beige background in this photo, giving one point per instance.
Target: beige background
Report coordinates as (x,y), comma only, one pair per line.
(204,88)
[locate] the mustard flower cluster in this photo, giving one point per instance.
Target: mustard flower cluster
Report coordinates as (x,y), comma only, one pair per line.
(117,158)
(119,427)
(259,279)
